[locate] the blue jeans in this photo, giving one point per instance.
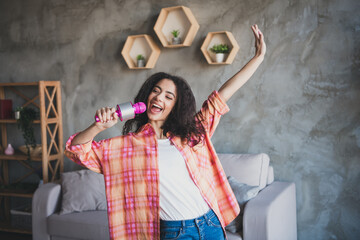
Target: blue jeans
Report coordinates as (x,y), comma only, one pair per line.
(206,227)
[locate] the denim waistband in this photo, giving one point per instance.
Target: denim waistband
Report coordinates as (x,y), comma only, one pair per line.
(188,222)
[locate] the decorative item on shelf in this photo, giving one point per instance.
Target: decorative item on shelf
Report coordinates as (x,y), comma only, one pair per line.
(176,39)
(220,50)
(143,44)
(216,38)
(41,182)
(180,18)
(34,151)
(17,112)
(9,150)
(27,117)
(140,60)
(5,108)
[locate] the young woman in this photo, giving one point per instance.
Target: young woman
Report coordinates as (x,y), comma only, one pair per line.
(164,180)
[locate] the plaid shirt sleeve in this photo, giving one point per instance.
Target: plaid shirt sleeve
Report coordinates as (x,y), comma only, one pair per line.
(211,111)
(87,155)
(226,205)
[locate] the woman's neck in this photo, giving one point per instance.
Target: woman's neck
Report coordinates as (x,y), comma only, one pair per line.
(158,130)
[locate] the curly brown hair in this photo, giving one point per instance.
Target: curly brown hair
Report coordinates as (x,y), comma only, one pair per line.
(181,120)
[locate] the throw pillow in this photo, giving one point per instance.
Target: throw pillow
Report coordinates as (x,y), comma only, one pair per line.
(243,194)
(82,190)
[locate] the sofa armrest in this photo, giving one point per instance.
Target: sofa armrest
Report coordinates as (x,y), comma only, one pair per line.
(271,214)
(45,202)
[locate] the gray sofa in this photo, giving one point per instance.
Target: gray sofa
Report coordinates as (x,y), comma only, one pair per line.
(271,214)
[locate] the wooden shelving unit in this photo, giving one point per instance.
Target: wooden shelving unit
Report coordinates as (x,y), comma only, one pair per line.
(140,44)
(222,37)
(176,18)
(6,227)
(48,101)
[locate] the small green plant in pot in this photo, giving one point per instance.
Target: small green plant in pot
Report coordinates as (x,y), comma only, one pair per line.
(25,124)
(140,60)
(176,39)
(220,50)
(17,112)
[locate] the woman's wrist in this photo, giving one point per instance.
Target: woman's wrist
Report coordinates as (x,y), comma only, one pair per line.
(96,128)
(259,57)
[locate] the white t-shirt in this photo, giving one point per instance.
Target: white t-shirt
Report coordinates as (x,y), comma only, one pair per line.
(180,198)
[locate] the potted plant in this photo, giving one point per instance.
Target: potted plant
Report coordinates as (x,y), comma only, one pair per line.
(17,112)
(140,60)
(25,124)
(220,50)
(176,39)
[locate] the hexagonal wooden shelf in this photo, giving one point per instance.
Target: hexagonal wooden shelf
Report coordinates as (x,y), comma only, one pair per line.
(222,37)
(176,18)
(140,44)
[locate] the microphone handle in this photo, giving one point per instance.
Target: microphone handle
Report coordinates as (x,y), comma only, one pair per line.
(127,110)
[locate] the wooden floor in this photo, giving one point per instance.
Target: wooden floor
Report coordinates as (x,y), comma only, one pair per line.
(14,236)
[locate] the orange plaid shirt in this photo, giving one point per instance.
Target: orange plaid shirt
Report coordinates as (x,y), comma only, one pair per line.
(130,167)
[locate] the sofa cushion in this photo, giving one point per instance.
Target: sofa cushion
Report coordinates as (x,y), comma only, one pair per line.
(82,190)
(251,169)
(84,225)
(270,178)
(243,194)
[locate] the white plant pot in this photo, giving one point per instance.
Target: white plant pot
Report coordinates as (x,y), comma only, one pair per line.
(17,115)
(176,40)
(220,57)
(140,63)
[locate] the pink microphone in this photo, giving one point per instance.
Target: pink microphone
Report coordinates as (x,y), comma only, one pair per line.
(127,110)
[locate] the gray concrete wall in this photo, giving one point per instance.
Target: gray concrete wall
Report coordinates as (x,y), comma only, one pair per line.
(301,107)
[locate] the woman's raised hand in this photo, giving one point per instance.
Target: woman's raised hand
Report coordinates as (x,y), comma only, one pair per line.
(242,76)
(107,117)
(260,46)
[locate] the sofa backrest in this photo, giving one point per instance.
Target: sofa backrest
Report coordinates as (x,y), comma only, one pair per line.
(251,169)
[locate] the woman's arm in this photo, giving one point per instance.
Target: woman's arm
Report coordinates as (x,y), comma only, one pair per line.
(241,77)
(108,118)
